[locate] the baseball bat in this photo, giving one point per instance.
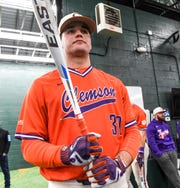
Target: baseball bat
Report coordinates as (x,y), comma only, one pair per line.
(47,24)
(142,176)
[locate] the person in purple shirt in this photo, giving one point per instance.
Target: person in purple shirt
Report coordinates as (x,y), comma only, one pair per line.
(162,146)
(178,133)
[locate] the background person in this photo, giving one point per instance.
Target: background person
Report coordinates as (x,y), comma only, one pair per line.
(5,140)
(178,134)
(162,146)
(178,144)
(49,131)
(139,165)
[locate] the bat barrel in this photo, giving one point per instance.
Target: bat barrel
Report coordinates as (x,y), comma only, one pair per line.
(46,20)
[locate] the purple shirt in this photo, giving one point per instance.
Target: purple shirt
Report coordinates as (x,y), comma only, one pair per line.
(178,132)
(159,137)
(178,127)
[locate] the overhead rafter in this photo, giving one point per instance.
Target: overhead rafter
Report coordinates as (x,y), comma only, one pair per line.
(17,4)
(20,38)
(170,8)
(14,34)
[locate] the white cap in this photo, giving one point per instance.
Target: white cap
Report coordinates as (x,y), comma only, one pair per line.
(77,17)
(157,110)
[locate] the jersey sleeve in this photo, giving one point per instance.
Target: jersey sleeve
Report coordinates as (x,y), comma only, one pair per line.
(32,120)
(131,141)
(41,153)
(140,117)
(32,130)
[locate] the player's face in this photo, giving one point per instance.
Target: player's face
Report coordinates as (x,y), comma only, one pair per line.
(76,39)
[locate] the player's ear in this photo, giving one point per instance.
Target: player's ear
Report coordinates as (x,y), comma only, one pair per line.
(61,37)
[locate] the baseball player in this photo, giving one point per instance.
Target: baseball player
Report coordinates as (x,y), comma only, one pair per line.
(49,131)
(139,165)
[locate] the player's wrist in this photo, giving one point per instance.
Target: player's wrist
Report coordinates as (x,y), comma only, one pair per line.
(141,149)
(121,164)
(64,155)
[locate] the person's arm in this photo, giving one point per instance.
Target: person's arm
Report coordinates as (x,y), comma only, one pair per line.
(143,137)
(140,155)
(130,146)
(131,142)
(81,151)
(151,133)
(41,153)
(32,130)
(7,143)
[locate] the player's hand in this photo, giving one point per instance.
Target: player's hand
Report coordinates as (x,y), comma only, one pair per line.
(83,150)
(104,170)
(4,154)
(140,157)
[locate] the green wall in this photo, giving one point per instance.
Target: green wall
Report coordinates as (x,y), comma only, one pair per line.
(14,82)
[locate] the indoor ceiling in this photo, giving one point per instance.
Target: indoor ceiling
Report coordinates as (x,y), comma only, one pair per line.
(20,36)
(166,8)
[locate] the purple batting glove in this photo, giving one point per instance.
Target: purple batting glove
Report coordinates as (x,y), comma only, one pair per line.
(140,157)
(82,151)
(104,170)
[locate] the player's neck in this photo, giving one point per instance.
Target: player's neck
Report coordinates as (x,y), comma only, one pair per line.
(78,62)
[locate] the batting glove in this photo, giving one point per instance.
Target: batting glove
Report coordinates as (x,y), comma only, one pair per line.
(82,151)
(104,170)
(140,157)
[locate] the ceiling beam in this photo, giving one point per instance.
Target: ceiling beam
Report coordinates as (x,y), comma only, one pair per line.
(17,4)
(11,57)
(153,7)
(14,34)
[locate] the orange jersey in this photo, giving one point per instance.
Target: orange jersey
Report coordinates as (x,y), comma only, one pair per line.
(141,122)
(140,117)
(46,122)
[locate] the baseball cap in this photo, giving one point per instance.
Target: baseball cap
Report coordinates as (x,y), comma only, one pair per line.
(157,110)
(77,17)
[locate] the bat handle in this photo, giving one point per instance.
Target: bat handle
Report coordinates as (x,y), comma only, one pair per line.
(82,124)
